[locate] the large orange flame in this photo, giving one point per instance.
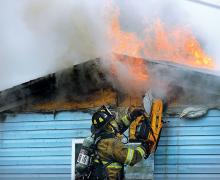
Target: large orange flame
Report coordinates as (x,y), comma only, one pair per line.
(176,44)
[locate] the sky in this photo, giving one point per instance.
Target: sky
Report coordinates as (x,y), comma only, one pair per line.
(38,37)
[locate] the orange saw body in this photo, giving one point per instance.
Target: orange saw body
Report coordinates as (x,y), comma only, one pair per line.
(154,121)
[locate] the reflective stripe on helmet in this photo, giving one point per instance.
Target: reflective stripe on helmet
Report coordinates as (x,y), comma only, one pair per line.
(94,121)
(114,165)
(141,151)
(129,157)
(101,119)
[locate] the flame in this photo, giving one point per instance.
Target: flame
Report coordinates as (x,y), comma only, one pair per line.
(160,43)
(124,42)
(176,44)
(129,44)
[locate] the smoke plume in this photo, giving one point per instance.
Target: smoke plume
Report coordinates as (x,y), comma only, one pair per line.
(39,37)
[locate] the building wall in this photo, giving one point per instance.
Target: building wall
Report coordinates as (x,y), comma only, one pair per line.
(38,146)
(189,149)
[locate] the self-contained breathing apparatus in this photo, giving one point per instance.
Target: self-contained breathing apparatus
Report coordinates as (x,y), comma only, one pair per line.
(85,167)
(85,156)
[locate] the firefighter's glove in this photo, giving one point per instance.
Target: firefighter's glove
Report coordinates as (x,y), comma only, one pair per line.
(148,147)
(136,113)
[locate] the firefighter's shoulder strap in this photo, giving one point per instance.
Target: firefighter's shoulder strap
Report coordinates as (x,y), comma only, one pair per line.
(106,163)
(98,138)
(99,167)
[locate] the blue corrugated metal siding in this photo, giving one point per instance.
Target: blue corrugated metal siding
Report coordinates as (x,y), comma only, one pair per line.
(38,146)
(189,149)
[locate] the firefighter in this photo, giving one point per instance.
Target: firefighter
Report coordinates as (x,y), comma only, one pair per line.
(111,152)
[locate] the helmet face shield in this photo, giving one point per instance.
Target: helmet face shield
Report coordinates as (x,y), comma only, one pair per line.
(106,110)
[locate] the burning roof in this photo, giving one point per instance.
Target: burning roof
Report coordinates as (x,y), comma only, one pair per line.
(89,85)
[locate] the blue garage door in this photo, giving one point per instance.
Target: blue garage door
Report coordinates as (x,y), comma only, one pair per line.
(38,146)
(189,149)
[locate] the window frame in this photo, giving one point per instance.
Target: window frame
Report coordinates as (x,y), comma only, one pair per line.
(74,142)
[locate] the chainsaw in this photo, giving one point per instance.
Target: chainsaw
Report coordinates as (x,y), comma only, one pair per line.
(148,127)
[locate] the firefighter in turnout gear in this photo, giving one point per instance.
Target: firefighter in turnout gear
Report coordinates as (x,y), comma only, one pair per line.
(112,154)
